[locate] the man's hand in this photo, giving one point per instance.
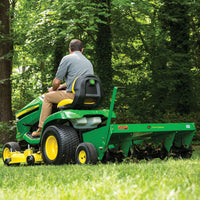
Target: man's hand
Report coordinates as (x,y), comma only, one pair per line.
(62,86)
(57,86)
(50,89)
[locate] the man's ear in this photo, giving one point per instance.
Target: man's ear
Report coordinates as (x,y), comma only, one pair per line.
(82,50)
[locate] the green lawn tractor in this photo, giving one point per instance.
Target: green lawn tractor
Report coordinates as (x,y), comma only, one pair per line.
(77,132)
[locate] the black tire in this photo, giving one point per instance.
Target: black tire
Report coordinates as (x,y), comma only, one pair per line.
(9,147)
(59,144)
(86,153)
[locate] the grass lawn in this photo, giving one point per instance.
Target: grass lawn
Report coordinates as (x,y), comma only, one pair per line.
(171,179)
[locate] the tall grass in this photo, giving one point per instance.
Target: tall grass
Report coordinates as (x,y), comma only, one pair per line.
(171,179)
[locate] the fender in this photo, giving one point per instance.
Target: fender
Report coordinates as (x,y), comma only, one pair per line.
(75,114)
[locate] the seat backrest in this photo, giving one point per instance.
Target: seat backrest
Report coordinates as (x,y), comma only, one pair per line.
(88,92)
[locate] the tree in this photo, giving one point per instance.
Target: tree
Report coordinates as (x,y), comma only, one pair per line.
(136,44)
(103,49)
(6,47)
(177,94)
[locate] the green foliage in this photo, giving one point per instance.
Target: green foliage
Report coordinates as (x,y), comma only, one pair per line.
(149,47)
(154,61)
(7,132)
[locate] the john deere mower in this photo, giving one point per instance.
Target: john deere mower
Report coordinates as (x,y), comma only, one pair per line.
(78,132)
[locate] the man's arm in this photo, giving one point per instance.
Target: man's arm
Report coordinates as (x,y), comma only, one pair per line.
(55,84)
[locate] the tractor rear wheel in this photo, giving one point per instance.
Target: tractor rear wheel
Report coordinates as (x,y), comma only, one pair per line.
(59,144)
(86,153)
(7,149)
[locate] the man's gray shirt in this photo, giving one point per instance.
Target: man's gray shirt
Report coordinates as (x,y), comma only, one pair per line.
(72,66)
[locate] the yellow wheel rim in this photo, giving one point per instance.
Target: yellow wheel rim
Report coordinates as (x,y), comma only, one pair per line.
(6,153)
(82,157)
(51,147)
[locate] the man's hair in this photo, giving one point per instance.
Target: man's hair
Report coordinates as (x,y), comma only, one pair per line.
(75,45)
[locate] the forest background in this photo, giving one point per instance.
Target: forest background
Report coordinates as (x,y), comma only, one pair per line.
(150,48)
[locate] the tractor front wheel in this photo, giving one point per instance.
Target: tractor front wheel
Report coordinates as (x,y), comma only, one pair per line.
(86,153)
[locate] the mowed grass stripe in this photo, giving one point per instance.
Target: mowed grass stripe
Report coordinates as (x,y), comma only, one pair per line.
(171,179)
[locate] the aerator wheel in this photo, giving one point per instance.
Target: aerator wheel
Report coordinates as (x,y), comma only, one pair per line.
(7,149)
(86,153)
(188,153)
(59,144)
(182,152)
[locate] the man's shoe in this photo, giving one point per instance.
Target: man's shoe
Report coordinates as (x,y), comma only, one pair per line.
(37,133)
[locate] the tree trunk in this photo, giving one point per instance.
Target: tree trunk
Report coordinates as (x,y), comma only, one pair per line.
(59,52)
(179,29)
(171,74)
(6,48)
(43,77)
(103,51)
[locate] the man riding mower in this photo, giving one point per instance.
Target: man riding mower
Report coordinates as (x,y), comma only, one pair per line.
(78,132)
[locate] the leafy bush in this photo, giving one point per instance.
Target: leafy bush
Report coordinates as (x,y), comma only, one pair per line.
(7,132)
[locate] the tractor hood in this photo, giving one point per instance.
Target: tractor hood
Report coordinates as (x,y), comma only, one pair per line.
(31,107)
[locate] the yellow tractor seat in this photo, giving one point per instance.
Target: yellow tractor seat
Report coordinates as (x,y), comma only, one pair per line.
(88,94)
(64,102)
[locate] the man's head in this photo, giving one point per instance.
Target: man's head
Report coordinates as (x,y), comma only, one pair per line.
(75,45)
